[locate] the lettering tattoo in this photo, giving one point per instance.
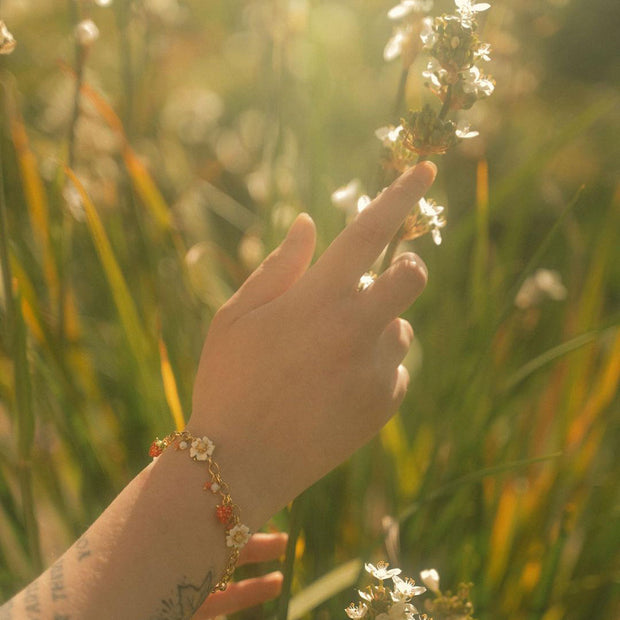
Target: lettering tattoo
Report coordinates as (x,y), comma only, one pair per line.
(57,581)
(32,604)
(185,601)
(83,548)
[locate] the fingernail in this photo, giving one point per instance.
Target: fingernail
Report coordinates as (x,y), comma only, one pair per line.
(422,265)
(429,167)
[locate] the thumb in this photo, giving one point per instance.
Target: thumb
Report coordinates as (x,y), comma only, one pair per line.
(280,270)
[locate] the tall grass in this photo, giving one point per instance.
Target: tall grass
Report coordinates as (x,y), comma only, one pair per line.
(500,468)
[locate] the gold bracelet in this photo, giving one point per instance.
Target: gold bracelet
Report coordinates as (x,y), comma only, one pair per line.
(227,512)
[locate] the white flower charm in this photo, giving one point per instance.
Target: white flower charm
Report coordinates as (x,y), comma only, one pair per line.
(356,611)
(381,571)
(201,449)
(238,536)
(430,578)
(468,11)
(405,589)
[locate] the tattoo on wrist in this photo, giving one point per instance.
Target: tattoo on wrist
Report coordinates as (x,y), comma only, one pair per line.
(83,548)
(185,601)
(32,604)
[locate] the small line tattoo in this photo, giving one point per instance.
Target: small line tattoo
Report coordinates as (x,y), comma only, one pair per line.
(186,600)
(83,548)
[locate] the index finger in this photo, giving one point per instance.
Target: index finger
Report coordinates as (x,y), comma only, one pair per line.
(356,248)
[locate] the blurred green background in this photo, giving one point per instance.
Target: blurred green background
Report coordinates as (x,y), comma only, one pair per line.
(201,130)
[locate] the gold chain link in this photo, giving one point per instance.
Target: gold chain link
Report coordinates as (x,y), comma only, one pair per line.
(159,445)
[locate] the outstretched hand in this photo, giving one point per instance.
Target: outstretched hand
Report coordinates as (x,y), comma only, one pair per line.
(299,368)
(249,592)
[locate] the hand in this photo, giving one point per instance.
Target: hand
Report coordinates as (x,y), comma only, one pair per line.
(299,369)
(249,592)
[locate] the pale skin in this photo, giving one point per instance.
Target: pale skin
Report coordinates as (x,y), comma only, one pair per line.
(299,370)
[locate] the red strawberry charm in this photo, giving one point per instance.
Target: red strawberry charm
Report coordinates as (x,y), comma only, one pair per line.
(224,513)
(155,449)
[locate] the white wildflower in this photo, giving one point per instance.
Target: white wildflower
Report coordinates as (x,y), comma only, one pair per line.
(433,214)
(483,52)
(365,595)
(86,32)
(428,34)
(356,612)
(381,571)
(430,578)
(468,11)
(545,283)
(389,134)
(434,73)
(397,42)
(474,82)
(404,589)
(7,40)
(398,611)
(103,2)
(410,6)
(350,198)
(463,131)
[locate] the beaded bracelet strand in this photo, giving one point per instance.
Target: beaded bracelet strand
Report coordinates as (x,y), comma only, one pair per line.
(227,512)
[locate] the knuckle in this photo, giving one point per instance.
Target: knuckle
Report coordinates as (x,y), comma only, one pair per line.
(407,270)
(370,231)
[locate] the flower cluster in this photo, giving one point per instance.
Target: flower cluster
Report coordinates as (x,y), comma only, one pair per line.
(405,40)
(382,603)
(452,75)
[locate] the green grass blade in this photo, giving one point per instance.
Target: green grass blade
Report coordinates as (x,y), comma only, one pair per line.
(116,281)
(342,577)
(553,354)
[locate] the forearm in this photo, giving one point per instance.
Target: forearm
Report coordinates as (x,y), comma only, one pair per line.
(154,554)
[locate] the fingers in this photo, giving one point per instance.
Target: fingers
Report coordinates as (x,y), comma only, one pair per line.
(263,548)
(279,271)
(241,595)
(394,343)
(394,290)
(357,247)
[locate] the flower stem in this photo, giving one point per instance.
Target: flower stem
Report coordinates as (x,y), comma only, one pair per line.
(400,94)
(445,108)
(392,247)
